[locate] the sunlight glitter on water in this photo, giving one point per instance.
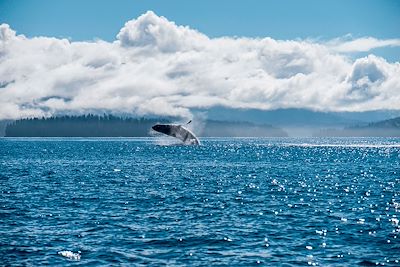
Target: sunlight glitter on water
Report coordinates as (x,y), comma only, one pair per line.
(230,201)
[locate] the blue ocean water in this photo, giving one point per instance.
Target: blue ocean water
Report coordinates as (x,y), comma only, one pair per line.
(236,202)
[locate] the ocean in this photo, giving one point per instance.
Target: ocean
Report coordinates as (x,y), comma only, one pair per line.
(229,201)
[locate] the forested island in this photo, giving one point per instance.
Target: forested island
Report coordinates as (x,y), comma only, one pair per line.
(114,126)
(81,126)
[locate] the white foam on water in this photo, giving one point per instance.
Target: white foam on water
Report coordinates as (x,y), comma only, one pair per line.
(70,255)
(168,141)
(162,140)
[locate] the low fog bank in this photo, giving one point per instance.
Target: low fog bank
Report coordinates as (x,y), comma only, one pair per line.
(300,119)
(3,125)
(310,123)
(385,128)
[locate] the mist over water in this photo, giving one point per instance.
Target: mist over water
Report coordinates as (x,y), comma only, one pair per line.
(230,201)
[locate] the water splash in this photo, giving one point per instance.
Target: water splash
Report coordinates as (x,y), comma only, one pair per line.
(70,255)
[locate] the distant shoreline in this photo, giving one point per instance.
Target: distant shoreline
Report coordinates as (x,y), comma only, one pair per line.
(113,126)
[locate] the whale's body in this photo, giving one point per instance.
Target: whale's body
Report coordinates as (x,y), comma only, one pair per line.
(177,131)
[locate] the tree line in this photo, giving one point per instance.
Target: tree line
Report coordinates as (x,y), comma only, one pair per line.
(113,126)
(89,125)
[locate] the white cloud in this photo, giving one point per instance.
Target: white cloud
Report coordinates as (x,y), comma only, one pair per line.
(150,30)
(361,45)
(156,67)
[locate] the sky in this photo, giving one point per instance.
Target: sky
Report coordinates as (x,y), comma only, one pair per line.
(132,56)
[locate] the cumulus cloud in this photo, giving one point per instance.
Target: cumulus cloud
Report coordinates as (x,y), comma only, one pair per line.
(150,30)
(155,67)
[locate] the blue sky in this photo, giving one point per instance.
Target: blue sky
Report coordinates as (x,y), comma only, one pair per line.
(284,19)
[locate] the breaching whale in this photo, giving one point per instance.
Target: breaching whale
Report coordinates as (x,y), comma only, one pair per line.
(177,131)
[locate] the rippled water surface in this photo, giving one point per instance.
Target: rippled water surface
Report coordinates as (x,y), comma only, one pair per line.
(229,201)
